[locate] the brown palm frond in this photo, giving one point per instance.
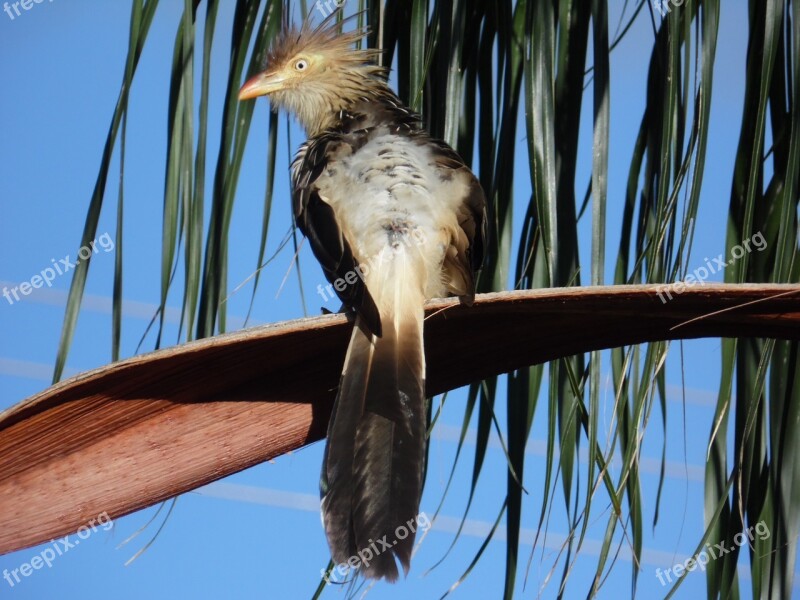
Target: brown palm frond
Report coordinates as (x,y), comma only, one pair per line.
(133,433)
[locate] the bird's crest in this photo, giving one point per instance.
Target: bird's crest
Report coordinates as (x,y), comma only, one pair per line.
(326,38)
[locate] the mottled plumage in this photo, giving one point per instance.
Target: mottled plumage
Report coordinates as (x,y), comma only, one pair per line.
(394,218)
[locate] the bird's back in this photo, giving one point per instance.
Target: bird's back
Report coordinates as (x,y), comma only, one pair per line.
(393,190)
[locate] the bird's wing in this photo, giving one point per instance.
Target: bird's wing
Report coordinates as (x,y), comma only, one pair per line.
(317,221)
(471,213)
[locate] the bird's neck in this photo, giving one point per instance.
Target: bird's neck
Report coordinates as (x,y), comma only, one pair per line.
(381,107)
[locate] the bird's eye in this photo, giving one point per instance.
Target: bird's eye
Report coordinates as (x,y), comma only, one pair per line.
(301,65)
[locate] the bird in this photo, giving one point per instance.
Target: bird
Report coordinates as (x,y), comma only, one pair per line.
(395,218)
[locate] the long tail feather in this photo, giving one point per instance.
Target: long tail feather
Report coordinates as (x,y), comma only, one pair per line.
(374,460)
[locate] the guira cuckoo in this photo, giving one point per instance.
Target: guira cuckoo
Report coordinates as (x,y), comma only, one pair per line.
(395,218)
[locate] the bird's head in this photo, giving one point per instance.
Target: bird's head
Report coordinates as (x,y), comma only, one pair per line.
(315,73)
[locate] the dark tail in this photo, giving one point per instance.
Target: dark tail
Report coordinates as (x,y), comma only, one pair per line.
(374,459)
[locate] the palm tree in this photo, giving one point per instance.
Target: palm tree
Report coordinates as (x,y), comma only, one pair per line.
(504,83)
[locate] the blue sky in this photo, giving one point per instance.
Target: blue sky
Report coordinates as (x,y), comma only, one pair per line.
(257,533)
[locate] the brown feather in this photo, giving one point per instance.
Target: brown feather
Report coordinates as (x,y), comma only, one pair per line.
(373,466)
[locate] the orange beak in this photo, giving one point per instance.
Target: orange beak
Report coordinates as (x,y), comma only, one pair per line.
(261,85)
